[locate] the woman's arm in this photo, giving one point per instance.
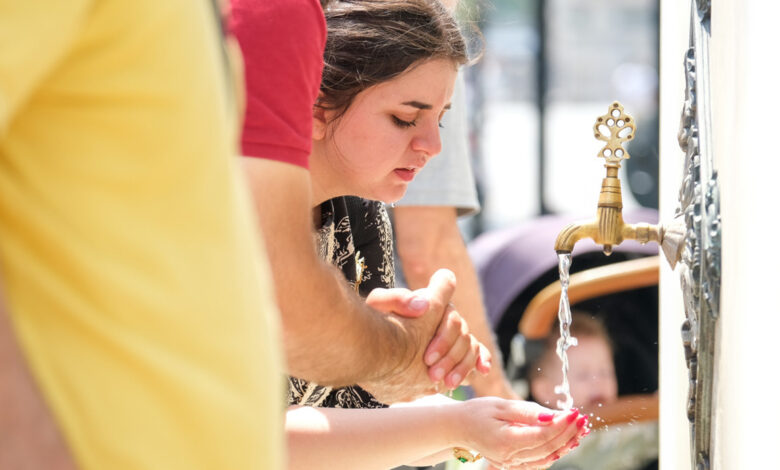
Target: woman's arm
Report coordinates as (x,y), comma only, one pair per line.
(502,430)
(366,438)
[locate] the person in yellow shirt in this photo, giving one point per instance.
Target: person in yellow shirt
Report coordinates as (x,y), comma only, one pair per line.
(138,329)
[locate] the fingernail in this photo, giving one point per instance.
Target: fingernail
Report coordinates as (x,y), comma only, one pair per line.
(581,422)
(556,457)
(455,380)
(572,416)
(433,357)
(576,444)
(418,304)
(546,417)
(438,373)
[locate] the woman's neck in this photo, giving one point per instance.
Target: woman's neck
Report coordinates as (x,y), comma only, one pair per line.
(324,182)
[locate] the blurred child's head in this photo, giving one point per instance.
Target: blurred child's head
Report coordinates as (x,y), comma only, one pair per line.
(592,377)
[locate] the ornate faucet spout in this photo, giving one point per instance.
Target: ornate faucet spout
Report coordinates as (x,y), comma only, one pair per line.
(575,232)
(609,231)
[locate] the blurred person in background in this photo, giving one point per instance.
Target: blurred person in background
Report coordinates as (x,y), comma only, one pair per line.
(593,385)
(427,236)
(138,328)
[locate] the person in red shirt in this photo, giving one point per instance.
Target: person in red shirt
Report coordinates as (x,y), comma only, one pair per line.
(400,341)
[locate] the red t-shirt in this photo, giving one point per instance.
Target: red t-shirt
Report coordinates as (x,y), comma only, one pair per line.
(282,42)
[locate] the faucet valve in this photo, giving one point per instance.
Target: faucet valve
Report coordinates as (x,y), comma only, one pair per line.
(614,128)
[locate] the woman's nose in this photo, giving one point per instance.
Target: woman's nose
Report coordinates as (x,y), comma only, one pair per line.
(428,141)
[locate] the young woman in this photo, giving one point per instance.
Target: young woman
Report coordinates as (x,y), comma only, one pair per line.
(390,69)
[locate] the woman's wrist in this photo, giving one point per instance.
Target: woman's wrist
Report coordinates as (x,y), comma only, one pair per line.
(455,423)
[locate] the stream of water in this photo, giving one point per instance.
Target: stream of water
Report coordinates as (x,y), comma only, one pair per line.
(566,340)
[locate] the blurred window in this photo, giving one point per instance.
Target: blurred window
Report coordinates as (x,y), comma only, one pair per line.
(566,61)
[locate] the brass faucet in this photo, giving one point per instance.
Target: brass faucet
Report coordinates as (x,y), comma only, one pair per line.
(608,228)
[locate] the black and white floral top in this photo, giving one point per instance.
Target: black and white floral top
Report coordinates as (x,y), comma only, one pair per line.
(355,236)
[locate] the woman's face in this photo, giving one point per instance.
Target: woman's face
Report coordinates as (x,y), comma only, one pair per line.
(385,137)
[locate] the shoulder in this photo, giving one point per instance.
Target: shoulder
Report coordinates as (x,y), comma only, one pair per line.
(302,18)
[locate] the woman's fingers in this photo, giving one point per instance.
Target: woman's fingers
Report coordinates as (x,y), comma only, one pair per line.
(531,414)
(553,439)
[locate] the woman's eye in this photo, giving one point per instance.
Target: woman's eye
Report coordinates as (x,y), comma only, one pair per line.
(403,124)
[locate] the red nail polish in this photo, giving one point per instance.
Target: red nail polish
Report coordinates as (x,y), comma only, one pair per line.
(545,417)
(572,416)
(581,422)
(556,457)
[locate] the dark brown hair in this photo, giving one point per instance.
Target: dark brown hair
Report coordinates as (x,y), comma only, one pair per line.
(372,41)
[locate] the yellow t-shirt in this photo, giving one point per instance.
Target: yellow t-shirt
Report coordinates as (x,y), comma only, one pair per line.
(128,253)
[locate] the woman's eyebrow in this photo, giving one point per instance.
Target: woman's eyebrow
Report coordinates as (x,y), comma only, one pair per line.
(419,105)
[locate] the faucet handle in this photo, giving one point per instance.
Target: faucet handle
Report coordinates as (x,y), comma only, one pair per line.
(615,128)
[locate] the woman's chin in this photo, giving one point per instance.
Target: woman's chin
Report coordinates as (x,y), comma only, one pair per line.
(390,196)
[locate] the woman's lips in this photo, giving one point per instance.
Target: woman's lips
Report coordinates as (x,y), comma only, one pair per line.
(405,174)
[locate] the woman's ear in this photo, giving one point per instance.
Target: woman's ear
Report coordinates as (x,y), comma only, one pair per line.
(319,120)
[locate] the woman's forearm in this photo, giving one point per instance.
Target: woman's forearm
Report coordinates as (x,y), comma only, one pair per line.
(369,438)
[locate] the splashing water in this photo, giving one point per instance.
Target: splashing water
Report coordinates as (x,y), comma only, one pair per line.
(566,340)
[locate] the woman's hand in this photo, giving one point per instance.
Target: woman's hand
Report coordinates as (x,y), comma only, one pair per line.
(518,435)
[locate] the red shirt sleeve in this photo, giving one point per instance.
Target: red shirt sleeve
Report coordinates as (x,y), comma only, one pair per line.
(282,42)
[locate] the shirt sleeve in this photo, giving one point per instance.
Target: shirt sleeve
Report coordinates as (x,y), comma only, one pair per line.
(34,37)
(282,43)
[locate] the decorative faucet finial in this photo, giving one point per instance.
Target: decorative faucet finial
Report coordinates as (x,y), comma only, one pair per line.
(614,128)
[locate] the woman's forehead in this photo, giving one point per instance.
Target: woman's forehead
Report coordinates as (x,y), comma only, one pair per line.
(430,83)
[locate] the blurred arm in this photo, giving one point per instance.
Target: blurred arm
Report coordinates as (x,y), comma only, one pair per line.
(29,438)
(428,238)
(35,37)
